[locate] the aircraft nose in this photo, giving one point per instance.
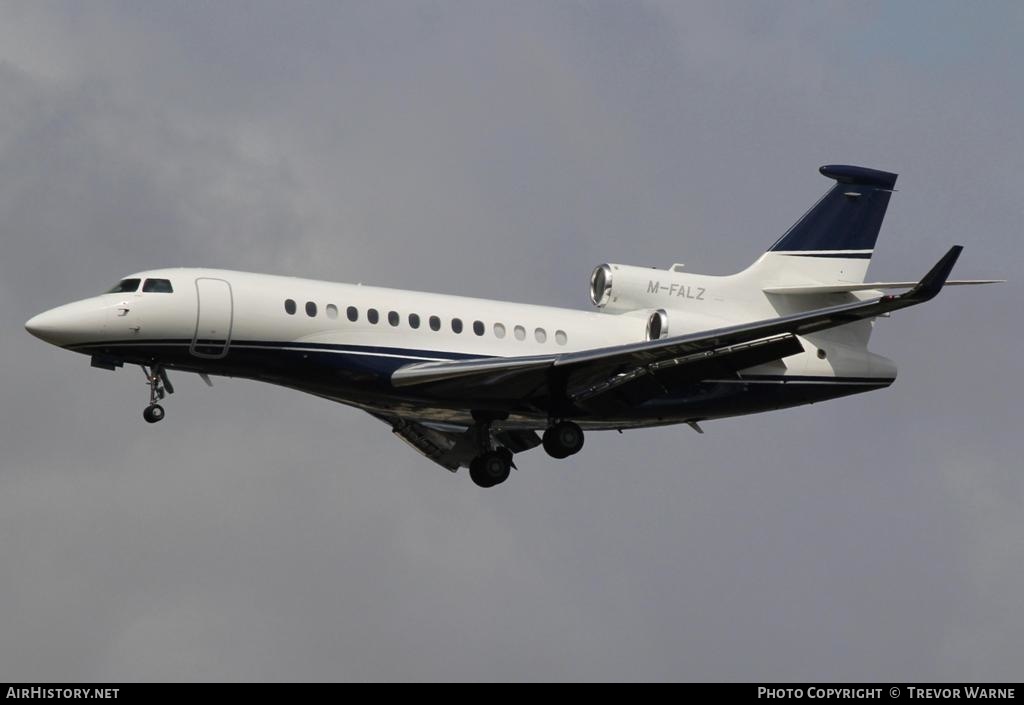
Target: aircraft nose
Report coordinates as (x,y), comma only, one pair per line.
(46,326)
(32,325)
(62,325)
(40,324)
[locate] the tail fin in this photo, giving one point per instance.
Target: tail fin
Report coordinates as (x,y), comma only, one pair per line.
(834,240)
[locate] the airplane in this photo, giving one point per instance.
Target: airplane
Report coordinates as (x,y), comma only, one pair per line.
(470,382)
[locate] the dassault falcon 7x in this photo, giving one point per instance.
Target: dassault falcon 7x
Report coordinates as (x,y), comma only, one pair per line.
(470,382)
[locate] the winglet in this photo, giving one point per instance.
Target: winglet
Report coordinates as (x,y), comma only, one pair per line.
(932,282)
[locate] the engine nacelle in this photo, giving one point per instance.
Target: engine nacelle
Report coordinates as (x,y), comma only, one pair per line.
(617,288)
(601,285)
(657,325)
(690,302)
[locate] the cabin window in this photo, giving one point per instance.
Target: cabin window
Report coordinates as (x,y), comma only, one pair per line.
(289,307)
(158,286)
(310,309)
(414,320)
(541,335)
(479,328)
(394,318)
(331,311)
(353,313)
(499,330)
(372,316)
(435,323)
(560,337)
(456,325)
(125,286)
(520,333)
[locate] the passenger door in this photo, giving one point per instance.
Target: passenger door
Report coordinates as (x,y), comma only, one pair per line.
(214,317)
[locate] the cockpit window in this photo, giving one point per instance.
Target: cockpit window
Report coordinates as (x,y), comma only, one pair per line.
(161,286)
(125,286)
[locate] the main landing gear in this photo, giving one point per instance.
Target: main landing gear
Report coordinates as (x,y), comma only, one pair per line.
(493,465)
(159,387)
(563,439)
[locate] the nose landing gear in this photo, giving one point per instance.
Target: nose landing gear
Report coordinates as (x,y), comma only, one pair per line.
(153,413)
(159,387)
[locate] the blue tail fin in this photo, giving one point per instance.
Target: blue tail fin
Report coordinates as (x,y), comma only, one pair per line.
(846,221)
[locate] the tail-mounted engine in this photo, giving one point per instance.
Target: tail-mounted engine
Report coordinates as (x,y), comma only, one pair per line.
(620,288)
(617,288)
(657,325)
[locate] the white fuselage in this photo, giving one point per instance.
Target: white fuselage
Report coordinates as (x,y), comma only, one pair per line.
(301,333)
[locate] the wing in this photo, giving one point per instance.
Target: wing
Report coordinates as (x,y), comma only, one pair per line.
(582,375)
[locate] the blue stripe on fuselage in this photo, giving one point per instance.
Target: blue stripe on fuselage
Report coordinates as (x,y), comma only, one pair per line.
(406,353)
(363,374)
(826,253)
(375,357)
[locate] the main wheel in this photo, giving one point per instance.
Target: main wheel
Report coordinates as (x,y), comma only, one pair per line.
(153,413)
(563,439)
(490,469)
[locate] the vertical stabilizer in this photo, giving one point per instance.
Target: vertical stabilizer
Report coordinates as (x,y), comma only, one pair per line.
(834,240)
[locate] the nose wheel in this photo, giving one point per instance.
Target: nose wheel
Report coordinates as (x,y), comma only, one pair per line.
(159,387)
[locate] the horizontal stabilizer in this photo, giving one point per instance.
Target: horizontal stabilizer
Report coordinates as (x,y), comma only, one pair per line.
(867,286)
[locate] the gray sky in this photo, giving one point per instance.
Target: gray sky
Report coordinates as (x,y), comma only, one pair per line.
(502,150)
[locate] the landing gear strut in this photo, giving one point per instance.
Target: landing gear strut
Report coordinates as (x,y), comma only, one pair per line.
(493,465)
(563,439)
(159,387)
